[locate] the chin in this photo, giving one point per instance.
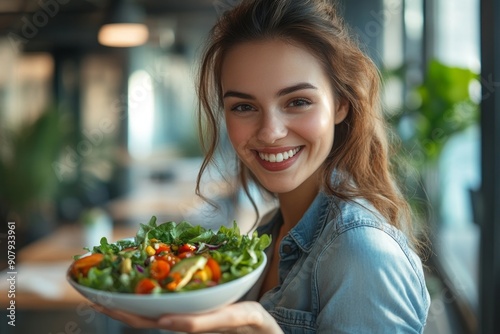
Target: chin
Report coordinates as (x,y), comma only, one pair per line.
(278,188)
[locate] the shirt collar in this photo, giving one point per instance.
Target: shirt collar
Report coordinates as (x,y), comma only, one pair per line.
(311,224)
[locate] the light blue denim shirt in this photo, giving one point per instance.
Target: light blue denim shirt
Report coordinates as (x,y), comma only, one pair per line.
(344,269)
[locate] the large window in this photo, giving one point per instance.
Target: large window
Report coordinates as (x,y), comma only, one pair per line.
(431,59)
(457,44)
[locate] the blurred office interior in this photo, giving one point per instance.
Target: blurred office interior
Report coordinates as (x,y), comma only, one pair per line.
(96,136)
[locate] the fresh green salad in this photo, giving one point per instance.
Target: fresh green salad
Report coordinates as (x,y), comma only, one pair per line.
(170,257)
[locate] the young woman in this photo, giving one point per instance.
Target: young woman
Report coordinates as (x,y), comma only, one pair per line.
(300,102)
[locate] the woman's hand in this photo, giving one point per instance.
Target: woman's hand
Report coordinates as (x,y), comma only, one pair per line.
(244,317)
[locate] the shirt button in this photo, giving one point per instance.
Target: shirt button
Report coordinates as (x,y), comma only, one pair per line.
(287,249)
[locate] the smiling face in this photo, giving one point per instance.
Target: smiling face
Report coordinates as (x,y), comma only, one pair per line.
(280,113)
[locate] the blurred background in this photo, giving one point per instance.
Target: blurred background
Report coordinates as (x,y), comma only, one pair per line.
(98,133)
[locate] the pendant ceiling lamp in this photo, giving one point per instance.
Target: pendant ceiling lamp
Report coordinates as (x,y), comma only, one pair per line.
(125,25)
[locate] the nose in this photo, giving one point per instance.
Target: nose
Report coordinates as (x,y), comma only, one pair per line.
(272,128)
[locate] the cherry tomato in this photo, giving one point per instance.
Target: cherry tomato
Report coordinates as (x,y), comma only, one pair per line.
(186,248)
(145,286)
(162,248)
(159,270)
(215,268)
(83,265)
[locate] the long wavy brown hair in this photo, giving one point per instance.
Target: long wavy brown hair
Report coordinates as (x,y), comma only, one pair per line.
(360,153)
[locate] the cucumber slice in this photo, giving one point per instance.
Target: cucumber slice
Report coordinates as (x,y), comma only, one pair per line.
(186,268)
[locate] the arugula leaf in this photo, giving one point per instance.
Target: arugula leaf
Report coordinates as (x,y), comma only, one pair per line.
(183,230)
(142,233)
(264,241)
(191,233)
(204,237)
(98,279)
(106,248)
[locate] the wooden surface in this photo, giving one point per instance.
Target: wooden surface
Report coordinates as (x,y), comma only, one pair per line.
(41,270)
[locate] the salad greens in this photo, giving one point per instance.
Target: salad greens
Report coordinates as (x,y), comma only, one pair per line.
(170,257)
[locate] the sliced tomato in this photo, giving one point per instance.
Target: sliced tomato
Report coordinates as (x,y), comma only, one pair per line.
(145,286)
(83,265)
(215,268)
(176,278)
(159,270)
(185,255)
(169,257)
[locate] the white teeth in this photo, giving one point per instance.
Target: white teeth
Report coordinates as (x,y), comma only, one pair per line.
(280,156)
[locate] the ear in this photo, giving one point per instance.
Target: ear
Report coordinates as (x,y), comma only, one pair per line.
(342,110)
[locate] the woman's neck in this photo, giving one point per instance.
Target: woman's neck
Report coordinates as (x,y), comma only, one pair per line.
(294,204)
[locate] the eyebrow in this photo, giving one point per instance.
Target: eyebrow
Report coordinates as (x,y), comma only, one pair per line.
(281,92)
(294,88)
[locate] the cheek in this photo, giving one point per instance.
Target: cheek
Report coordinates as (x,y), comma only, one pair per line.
(318,129)
(237,132)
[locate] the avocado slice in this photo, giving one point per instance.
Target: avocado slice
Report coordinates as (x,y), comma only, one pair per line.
(187,267)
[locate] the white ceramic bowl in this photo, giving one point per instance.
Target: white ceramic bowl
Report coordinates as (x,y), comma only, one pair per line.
(153,306)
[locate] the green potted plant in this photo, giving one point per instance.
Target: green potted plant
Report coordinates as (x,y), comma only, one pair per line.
(28,185)
(443,106)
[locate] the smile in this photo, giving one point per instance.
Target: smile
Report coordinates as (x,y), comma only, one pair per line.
(279,157)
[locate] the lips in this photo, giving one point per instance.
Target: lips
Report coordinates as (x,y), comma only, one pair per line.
(276,159)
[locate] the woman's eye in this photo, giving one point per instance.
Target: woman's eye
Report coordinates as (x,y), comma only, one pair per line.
(242,108)
(299,103)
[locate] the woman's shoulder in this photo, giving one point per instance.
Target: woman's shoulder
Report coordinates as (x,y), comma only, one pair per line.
(357,233)
(356,226)
(343,216)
